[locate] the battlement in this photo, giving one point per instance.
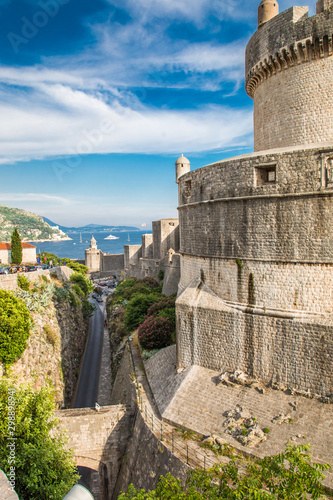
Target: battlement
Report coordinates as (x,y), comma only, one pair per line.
(286,40)
(289,70)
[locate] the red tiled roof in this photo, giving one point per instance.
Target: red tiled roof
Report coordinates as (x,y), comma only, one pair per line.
(8,246)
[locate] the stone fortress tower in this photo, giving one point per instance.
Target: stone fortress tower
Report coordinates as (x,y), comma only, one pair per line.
(289,74)
(256,231)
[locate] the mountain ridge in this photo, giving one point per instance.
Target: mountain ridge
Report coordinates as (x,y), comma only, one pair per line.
(91,227)
(30,226)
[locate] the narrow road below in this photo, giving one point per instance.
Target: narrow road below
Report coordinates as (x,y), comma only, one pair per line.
(87,387)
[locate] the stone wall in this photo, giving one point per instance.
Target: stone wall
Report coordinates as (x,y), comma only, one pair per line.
(145,460)
(171,275)
(165,236)
(289,69)
(275,348)
(132,254)
(98,440)
(278,236)
(287,286)
(256,231)
(112,264)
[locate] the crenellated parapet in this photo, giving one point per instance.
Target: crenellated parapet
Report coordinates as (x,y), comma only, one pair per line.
(300,52)
(289,72)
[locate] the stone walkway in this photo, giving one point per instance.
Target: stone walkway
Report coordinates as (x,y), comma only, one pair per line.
(104,388)
(194,400)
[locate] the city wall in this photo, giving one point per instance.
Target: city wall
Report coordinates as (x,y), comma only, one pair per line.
(9,281)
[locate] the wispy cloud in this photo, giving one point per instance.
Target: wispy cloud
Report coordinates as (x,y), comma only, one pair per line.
(51,120)
(50,108)
(35,197)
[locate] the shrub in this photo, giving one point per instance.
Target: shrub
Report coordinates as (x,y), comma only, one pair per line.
(151,283)
(124,284)
(155,333)
(160,275)
(84,283)
(51,335)
(87,308)
(44,468)
(137,288)
(78,268)
(167,302)
(289,475)
(137,308)
(170,314)
(15,325)
(23,282)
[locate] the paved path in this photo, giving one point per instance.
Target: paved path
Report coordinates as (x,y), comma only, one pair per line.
(105,389)
(87,388)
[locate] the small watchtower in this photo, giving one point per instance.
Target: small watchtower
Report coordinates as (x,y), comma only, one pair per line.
(266,10)
(183,166)
(93,257)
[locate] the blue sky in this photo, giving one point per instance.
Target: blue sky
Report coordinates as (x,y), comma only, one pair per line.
(99,98)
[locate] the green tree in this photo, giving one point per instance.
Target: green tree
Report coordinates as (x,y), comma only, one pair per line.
(84,283)
(43,468)
(137,308)
(16,247)
(287,476)
(15,325)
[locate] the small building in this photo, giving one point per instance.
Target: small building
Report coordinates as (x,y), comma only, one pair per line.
(28,253)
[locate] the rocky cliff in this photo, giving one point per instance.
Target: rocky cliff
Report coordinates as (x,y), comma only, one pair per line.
(57,340)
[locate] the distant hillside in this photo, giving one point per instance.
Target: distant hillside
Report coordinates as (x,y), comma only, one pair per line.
(91,228)
(30,226)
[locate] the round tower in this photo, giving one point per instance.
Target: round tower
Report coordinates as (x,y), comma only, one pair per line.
(182,167)
(289,73)
(266,10)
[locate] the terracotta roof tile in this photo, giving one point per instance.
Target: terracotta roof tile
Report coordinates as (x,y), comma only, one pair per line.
(7,246)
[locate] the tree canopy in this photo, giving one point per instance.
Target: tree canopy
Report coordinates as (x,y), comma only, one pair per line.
(34,458)
(16,245)
(15,325)
(287,476)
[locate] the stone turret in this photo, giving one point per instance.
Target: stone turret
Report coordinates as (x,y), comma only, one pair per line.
(266,10)
(182,167)
(93,257)
(93,243)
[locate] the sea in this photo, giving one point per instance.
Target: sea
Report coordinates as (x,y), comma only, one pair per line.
(73,249)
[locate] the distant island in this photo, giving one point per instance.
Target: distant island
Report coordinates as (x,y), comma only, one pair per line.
(91,228)
(30,226)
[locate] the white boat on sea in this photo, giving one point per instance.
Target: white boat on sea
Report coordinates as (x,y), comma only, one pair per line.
(111,237)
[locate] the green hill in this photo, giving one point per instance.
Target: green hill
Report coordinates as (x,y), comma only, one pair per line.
(30,226)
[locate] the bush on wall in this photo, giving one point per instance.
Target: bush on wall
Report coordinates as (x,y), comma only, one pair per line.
(155,333)
(137,308)
(15,325)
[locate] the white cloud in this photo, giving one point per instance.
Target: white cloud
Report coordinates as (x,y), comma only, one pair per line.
(53,120)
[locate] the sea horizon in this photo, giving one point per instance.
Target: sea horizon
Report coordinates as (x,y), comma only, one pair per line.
(73,249)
